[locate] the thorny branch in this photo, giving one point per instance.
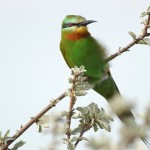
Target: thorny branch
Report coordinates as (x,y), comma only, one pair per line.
(84,129)
(52,104)
(138,39)
(32,121)
(72,101)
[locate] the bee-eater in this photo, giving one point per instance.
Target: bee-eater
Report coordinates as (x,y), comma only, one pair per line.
(79,48)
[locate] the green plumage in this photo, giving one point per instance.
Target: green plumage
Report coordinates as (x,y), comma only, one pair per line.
(88,52)
(79,48)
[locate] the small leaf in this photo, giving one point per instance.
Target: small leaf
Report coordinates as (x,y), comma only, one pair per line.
(99,124)
(87,119)
(80,109)
(75,131)
(144,14)
(82,138)
(43,121)
(147,40)
(71,146)
(18,144)
(74,139)
(76,115)
(65,140)
(148,9)
(142,42)
(106,126)
(64,113)
(95,127)
(132,34)
(6,135)
(39,129)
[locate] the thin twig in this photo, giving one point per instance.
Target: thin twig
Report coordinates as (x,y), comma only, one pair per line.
(52,104)
(84,129)
(72,101)
(138,39)
(32,121)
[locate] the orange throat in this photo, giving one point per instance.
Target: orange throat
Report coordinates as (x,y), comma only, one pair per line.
(78,34)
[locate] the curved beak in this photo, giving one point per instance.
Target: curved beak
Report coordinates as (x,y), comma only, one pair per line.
(86,22)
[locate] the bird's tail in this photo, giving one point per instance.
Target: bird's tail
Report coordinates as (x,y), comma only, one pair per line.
(108,89)
(146,142)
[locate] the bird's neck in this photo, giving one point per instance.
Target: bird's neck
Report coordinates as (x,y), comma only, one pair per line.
(74,36)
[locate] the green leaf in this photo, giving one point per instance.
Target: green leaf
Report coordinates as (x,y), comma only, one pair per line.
(75,131)
(87,119)
(76,115)
(65,140)
(39,128)
(95,127)
(133,35)
(82,138)
(106,126)
(142,42)
(147,40)
(81,121)
(94,117)
(144,14)
(64,113)
(74,139)
(43,121)
(148,9)
(18,144)
(99,124)
(81,110)
(71,146)
(6,135)
(5,138)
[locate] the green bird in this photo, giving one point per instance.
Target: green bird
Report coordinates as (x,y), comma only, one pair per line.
(79,48)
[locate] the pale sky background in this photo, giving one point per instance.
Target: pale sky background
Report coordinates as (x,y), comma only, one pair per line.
(32,70)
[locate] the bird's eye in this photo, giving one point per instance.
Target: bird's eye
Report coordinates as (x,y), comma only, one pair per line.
(70,24)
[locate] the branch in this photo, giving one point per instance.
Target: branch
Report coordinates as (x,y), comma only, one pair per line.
(84,129)
(33,120)
(136,41)
(72,102)
(72,97)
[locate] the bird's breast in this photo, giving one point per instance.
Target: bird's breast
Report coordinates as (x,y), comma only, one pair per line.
(78,34)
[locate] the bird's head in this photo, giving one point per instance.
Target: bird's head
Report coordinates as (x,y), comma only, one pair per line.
(75,27)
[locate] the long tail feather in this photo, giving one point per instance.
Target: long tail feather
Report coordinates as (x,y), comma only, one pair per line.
(108,89)
(146,142)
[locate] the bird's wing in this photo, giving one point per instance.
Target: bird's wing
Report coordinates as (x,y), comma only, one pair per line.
(64,55)
(108,88)
(109,74)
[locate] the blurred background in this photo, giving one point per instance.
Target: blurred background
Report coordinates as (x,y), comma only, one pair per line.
(32,70)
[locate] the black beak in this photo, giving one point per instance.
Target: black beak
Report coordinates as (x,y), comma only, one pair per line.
(86,22)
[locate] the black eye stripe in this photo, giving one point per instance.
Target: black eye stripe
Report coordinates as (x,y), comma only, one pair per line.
(70,24)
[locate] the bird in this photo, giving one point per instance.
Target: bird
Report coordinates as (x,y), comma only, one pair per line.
(80,48)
